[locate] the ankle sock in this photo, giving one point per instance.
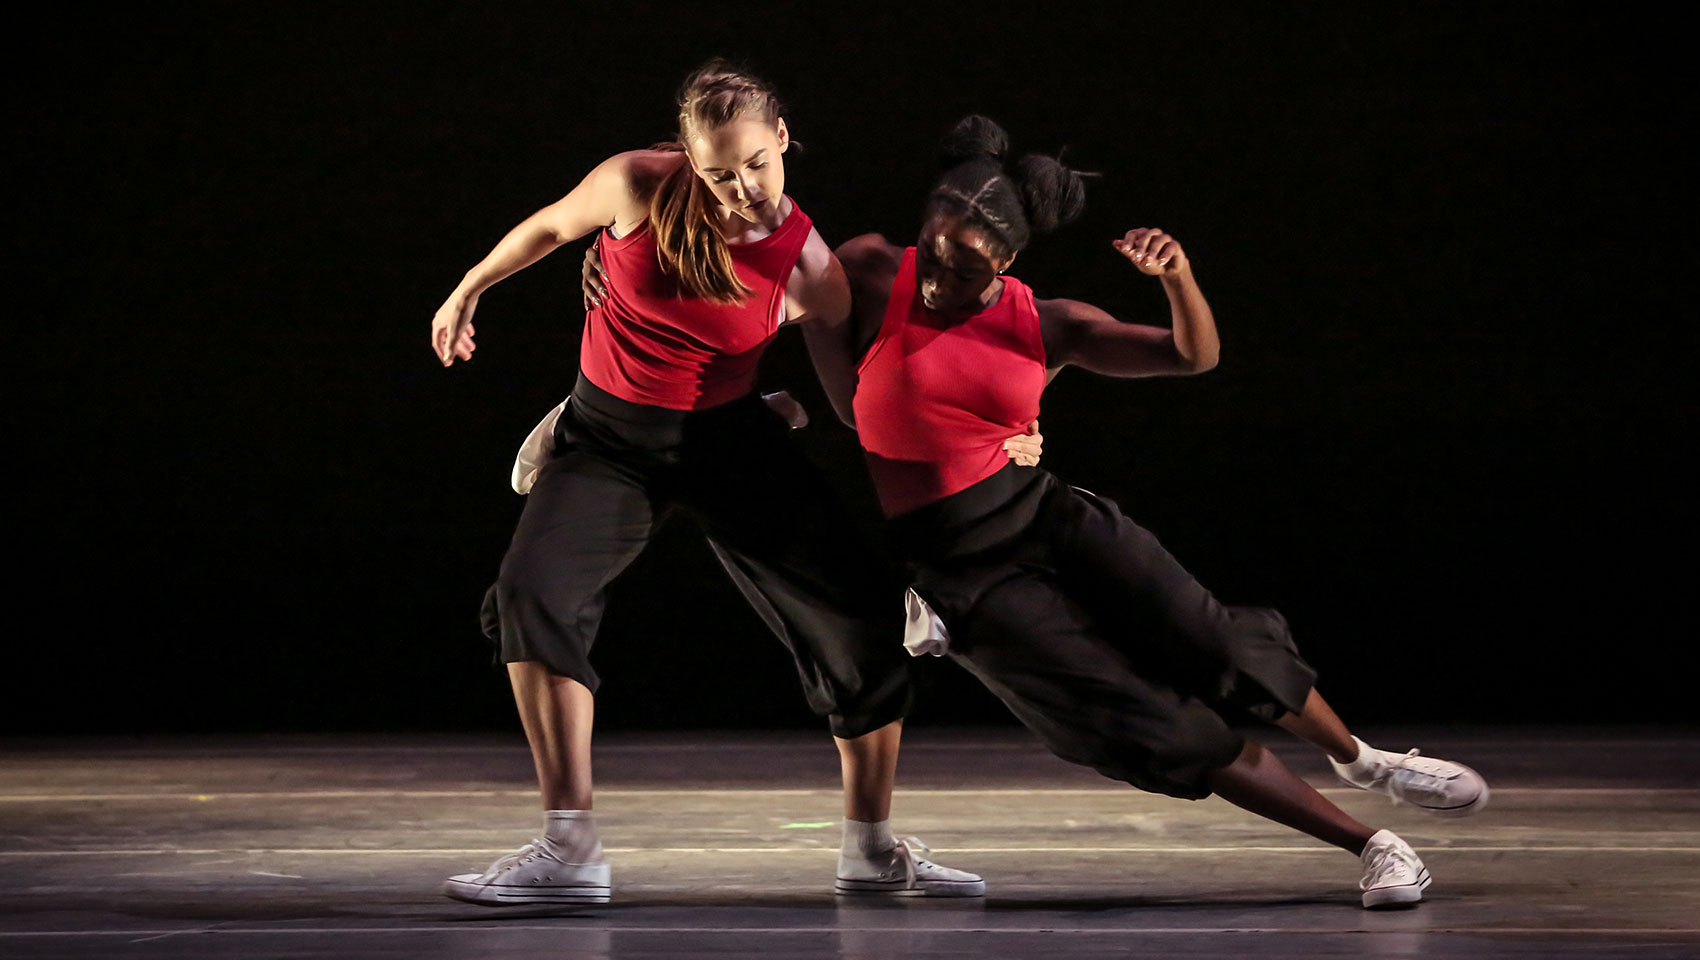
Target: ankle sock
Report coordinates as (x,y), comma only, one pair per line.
(1369,759)
(573,835)
(867,840)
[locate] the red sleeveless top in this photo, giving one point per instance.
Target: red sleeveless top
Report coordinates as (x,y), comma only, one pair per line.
(651,343)
(937,396)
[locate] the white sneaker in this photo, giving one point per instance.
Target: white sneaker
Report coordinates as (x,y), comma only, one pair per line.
(902,874)
(532,874)
(1440,787)
(1393,873)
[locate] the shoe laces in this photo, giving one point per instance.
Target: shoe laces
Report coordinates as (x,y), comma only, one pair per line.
(906,848)
(1415,772)
(1386,860)
(528,852)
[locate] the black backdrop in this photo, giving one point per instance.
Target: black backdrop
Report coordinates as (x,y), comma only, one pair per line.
(1445,247)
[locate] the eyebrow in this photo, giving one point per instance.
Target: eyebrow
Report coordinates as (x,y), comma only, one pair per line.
(750,159)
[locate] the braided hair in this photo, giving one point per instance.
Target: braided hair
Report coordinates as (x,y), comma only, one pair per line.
(1037,196)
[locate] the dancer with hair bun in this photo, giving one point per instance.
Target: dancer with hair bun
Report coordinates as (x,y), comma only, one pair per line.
(706,258)
(1073,615)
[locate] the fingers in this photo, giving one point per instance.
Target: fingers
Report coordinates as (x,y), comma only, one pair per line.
(1026,448)
(1161,255)
(440,345)
(1150,249)
(593,282)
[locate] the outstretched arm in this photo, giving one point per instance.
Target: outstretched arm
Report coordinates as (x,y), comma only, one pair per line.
(1081,334)
(607,195)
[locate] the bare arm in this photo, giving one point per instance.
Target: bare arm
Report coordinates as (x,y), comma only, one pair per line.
(611,194)
(818,297)
(1085,336)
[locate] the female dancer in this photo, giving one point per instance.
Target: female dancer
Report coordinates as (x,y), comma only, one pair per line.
(706,257)
(1091,633)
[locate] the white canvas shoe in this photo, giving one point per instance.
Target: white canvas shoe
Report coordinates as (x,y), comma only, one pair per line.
(1440,787)
(902,874)
(532,874)
(1393,873)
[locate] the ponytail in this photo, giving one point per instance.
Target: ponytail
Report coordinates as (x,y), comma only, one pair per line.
(688,243)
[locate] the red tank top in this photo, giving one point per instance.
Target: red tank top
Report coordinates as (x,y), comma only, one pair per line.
(937,396)
(650,343)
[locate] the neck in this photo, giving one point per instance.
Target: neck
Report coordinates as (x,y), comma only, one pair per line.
(732,225)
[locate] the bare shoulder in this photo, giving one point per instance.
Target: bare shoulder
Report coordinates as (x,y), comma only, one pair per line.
(633,176)
(869,256)
(1062,309)
(816,258)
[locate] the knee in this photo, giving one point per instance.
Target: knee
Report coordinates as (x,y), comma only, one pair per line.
(528,578)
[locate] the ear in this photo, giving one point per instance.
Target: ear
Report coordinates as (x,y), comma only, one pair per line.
(1005,264)
(784,135)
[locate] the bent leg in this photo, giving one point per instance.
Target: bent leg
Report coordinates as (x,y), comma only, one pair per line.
(585,520)
(1047,659)
(1240,659)
(806,569)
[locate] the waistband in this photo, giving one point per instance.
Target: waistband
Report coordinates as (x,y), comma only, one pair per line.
(600,417)
(990,514)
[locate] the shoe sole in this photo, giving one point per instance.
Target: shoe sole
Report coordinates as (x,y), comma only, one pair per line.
(498,895)
(1394,897)
(923,888)
(1462,810)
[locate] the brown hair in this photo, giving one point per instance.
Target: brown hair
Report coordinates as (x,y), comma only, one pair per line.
(687,241)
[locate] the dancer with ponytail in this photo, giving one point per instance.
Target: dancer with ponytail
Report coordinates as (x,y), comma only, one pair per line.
(706,257)
(1073,615)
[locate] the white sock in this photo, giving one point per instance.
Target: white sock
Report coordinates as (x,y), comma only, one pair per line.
(573,835)
(1367,761)
(867,840)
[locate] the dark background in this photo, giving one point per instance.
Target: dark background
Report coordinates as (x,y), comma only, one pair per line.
(1446,246)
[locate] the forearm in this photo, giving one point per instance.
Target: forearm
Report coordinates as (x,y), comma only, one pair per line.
(524,245)
(1194,327)
(829,351)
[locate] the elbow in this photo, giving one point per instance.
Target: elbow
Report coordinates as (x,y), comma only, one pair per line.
(1205,362)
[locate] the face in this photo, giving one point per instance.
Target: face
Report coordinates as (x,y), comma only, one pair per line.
(741,163)
(955,264)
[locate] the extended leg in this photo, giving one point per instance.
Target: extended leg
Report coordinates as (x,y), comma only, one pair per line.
(1318,724)
(1259,782)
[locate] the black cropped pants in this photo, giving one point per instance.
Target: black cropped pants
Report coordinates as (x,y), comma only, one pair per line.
(1094,636)
(778,530)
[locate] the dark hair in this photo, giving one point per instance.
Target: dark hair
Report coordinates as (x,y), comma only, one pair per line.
(1037,196)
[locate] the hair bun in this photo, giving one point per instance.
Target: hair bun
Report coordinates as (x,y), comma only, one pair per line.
(973,138)
(1053,194)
